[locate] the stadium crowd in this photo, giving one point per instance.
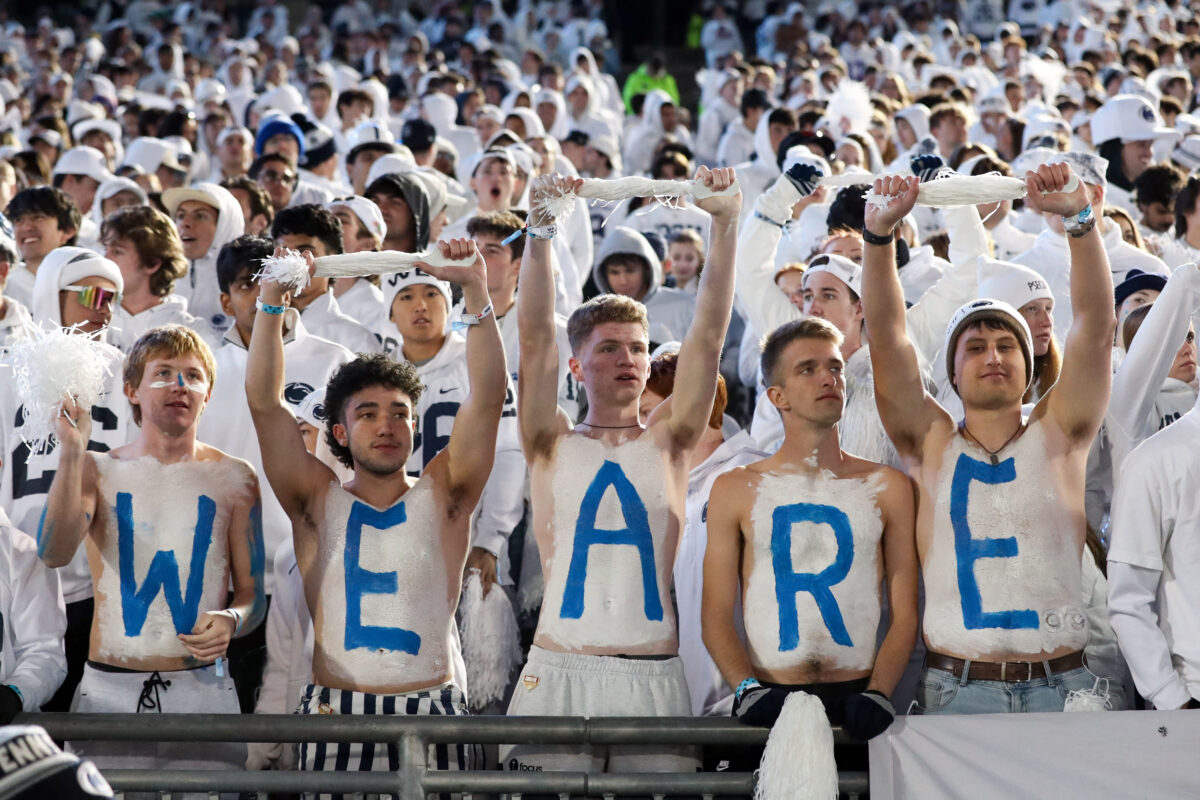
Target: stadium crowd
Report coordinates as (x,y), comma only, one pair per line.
(794,429)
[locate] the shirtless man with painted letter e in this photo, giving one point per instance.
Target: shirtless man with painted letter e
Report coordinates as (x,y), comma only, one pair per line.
(1000,512)
(381,557)
(608,498)
(807,535)
(171,523)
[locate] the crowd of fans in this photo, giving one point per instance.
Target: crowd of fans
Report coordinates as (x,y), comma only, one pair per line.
(771,374)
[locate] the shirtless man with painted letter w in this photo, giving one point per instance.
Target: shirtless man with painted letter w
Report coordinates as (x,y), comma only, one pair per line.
(608,498)
(1000,515)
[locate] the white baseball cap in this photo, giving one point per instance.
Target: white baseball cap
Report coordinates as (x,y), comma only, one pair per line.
(1011,283)
(1187,153)
(1129,118)
(389,164)
(367,212)
(83,161)
(839,267)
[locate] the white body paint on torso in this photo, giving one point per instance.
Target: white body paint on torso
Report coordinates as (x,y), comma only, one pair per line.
(825,531)
(608,595)
(162,509)
(401,630)
(1004,576)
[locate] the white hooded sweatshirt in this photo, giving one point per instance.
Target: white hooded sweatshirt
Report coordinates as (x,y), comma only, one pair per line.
(643,139)
(670,310)
(199,287)
(756,176)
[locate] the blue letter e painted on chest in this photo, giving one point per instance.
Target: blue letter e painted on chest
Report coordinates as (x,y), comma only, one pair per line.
(163,574)
(636,533)
(968,550)
(361,581)
(788,582)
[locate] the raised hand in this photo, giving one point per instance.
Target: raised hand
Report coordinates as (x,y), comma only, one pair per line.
(546,188)
(903,193)
(1044,191)
(927,166)
(724,209)
(273,292)
(805,176)
(73,424)
(473,270)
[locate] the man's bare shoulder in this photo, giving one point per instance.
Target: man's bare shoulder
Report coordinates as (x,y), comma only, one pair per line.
(739,483)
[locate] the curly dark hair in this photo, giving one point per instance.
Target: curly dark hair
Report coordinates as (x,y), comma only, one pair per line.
(363,372)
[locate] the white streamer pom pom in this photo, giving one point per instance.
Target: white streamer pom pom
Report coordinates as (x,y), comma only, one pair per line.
(560,204)
(798,762)
(50,363)
(491,643)
(290,270)
(1094,699)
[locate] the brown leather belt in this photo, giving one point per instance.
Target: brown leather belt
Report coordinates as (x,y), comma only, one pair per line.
(1007,671)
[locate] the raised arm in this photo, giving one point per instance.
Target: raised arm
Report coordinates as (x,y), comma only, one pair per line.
(71,501)
(1078,401)
(1140,377)
(765,306)
(700,352)
(295,475)
(906,409)
(472,447)
(537,376)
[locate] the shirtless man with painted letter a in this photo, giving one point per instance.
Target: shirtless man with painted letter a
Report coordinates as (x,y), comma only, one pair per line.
(809,534)
(608,498)
(1000,515)
(381,557)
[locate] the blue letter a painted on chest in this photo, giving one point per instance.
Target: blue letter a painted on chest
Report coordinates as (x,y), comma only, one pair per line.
(163,574)
(788,582)
(361,581)
(636,533)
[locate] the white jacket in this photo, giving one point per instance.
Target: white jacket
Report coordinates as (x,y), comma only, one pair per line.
(33,619)
(1154,564)
(715,118)
(1144,400)
(363,302)
(447,384)
(711,696)
(199,287)
(736,144)
(670,310)
(127,328)
(324,318)
(755,177)
(1051,258)
(309,361)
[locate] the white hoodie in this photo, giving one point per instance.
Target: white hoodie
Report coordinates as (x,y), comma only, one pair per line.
(199,287)
(670,310)
(447,384)
(716,117)
(35,620)
(126,328)
(643,139)
(755,177)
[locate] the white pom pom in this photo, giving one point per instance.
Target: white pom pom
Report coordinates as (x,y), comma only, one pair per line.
(1094,699)
(851,103)
(557,205)
(50,363)
(798,762)
(491,643)
(290,270)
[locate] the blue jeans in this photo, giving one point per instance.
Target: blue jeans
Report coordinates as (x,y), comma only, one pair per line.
(939,692)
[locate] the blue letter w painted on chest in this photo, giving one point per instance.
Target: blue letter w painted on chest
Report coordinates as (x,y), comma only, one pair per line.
(788,582)
(361,581)
(968,550)
(163,574)
(636,533)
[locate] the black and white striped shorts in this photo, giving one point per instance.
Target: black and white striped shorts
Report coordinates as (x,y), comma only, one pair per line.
(379,757)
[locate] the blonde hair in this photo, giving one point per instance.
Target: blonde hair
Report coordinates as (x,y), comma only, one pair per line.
(601,309)
(166,341)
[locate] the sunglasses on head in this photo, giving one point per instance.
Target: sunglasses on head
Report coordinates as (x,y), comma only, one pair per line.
(94,297)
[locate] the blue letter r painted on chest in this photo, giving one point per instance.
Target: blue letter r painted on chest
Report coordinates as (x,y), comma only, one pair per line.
(361,581)
(788,582)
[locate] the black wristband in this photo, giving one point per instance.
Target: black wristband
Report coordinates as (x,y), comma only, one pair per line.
(882,241)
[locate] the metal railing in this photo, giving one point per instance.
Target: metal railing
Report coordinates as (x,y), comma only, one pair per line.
(412,735)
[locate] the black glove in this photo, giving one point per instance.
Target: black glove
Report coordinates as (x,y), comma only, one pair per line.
(928,166)
(759,706)
(866,715)
(805,177)
(10,704)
